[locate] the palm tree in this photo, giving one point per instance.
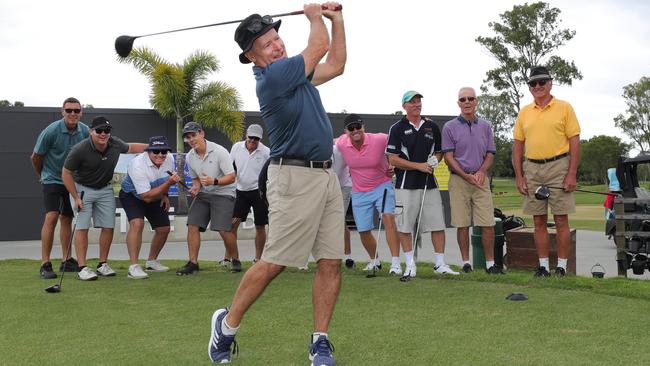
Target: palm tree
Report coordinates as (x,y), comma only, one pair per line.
(179,91)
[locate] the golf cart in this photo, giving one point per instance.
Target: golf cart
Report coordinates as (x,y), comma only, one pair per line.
(630,227)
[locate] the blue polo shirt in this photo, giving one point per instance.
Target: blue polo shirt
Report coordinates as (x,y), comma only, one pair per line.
(292,110)
(54,143)
(469,140)
(413,145)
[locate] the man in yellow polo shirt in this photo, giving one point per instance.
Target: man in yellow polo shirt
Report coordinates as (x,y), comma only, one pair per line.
(547,133)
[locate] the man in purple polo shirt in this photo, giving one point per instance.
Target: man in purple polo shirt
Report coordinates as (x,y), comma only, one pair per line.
(468,145)
(365,155)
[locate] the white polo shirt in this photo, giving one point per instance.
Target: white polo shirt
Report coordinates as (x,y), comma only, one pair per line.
(215,163)
(143,175)
(249,165)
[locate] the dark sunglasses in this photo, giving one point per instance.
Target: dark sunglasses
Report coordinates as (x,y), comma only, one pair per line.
(253,138)
(70,110)
(158,152)
(99,131)
(354,126)
(463,99)
(257,24)
(534,83)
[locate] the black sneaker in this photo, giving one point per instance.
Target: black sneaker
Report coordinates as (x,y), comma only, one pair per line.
(188,269)
(467,268)
(541,272)
(494,270)
(236,266)
(71,265)
(349,263)
(46,271)
(560,272)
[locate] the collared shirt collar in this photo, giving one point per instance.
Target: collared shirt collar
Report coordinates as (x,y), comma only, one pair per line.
(365,141)
(64,127)
(546,106)
(462,119)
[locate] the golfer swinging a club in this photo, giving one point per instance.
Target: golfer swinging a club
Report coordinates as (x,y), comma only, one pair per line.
(305,203)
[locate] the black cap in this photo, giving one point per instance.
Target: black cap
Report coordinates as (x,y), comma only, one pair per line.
(100,121)
(191,127)
(250,29)
(539,73)
(157,143)
(352,118)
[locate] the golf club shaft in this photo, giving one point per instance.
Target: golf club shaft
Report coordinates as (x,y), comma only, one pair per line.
(74,228)
(297,12)
(586,191)
(180,181)
(417,227)
(381,216)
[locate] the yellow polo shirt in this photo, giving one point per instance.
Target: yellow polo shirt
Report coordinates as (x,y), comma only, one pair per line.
(546,131)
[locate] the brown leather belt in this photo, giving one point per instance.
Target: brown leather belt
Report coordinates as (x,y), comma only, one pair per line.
(544,161)
(326,164)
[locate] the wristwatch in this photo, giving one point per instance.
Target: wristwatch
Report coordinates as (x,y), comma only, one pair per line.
(216,181)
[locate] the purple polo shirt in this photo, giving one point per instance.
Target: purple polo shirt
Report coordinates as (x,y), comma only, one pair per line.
(470,142)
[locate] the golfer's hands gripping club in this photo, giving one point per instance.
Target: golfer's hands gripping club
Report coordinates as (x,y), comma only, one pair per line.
(432,161)
(173,177)
(569,184)
(332,11)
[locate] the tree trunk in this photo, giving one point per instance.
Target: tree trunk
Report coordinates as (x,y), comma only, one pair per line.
(180,167)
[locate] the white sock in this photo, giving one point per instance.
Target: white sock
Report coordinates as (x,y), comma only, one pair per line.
(543,262)
(395,261)
(467,262)
(489,264)
(348,256)
(409,257)
(315,336)
(227,329)
(561,263)
(440,259)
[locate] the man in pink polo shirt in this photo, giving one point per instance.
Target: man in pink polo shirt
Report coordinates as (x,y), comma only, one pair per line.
(365,155)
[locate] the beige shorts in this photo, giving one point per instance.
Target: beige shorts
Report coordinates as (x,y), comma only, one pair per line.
(469,203)
(551,174)
(407,209)
(305,215)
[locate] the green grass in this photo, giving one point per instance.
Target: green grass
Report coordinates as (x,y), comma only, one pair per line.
(431,320)
(589,207)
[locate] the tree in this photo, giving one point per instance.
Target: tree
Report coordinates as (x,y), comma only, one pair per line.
(497,109)
(527,36)
(6,103)
(179,91)
(637,124)
(597,155)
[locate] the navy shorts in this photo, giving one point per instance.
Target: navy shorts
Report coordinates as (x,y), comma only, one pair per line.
(136,208)
(56,198)
(247,199)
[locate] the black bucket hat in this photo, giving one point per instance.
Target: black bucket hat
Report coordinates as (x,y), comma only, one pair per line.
(250,29)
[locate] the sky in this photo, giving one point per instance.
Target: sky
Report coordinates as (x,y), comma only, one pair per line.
(51,50)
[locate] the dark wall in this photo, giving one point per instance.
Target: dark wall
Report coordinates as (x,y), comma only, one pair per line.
(21,216)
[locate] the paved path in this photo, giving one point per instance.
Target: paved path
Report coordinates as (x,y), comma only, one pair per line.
(591,247)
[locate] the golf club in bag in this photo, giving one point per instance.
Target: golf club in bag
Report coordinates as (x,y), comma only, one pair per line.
(57,287)
(124,44)
(381,216)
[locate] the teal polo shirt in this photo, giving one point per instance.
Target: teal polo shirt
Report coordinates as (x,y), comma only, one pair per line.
(54,143)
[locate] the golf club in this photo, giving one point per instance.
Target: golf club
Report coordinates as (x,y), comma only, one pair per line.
(407,277)
(57,287)
(381,215)
(543,192)
(124,44)
(180,181)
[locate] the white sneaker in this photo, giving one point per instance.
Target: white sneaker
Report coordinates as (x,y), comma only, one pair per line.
(444,269)
(370,266)
(105,270)
(395,270)
(226,263)
(87,274)
(411,270)
(136,272)
(304,268)
(155,266)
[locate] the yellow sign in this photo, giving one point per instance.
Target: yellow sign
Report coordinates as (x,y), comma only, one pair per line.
(441,172)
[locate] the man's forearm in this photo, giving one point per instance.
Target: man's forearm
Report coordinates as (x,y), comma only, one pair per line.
(337,55)
(517,157)
(487,162)
(574,154)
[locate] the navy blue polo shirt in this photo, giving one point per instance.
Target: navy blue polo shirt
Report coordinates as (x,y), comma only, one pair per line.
(291,108)
(414,145)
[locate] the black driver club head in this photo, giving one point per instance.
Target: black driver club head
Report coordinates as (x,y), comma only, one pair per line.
(53,289)
(542,193)
(124,45)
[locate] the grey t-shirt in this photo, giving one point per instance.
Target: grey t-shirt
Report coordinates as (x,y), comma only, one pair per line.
(91,167)
(215,163)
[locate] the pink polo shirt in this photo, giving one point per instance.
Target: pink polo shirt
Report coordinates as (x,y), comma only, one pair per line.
(368,166)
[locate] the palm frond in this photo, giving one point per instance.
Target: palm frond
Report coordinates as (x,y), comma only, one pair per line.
(169,91)
(144,60)
(197,67)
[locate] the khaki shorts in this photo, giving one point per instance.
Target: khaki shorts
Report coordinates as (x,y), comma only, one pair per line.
(469,203)
(305,215)
(407,209)
(550,174)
